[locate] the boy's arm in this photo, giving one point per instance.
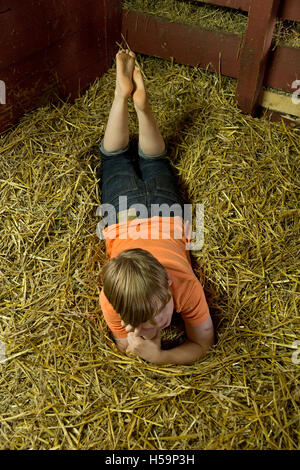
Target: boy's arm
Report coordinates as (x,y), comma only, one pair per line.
(200,339)
(122,343)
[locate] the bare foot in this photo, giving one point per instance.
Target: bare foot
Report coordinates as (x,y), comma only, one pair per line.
(125,61)
(140,98)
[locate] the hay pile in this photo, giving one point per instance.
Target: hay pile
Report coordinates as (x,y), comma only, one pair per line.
(212,17)
(63,384)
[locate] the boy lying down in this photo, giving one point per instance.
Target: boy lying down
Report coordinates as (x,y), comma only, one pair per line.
(147,277)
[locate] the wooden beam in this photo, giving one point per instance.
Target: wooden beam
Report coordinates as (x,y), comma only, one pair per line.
(254,53)
(235,4)
(190,45)
(279,117)
(283,68)
(280,103)
(186,44)
(288,9)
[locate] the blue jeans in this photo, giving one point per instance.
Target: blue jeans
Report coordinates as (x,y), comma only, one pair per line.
(142,178)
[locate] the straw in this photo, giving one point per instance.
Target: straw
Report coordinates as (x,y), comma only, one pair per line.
(63,382)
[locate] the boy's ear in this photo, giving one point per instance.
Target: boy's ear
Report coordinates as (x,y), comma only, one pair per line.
(169,280)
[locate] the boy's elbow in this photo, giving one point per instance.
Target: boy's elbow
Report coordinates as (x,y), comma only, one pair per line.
(209,343)
(203,336)
(208,347)
(212,340)
(205,346)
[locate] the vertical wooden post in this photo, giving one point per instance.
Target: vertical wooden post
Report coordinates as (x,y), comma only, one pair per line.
(254,53)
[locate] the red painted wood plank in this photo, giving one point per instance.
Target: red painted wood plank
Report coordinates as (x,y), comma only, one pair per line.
(254,53)
(72,60)
(50,70)
(236,4)
(72,89)
(157,37)
(276,117)
(18,45)
(283,68)
(76,47)
(187,44)
(289,9)
(69,44)
(17,17)
(68,87)
(50,66)
(192,46)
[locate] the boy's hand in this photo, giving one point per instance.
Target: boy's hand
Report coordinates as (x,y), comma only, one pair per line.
(131,329)
(128,327)
(148,349)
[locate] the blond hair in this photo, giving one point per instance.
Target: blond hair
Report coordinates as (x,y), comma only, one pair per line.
(134,282)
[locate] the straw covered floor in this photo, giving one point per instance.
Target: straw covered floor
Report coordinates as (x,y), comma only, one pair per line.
(63,383)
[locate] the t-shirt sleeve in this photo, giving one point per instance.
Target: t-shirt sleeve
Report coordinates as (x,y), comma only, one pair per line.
(111,317)
(195,309)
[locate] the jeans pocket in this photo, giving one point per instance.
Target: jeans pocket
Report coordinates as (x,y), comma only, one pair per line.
(118,185)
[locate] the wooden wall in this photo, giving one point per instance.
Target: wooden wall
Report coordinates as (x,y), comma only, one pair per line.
(53,48)
(248,58)
(57,48)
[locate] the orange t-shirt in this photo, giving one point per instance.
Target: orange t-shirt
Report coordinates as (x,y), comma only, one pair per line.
(165,238)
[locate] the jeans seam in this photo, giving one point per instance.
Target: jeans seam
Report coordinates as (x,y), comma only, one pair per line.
(151,157)
(108,154)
